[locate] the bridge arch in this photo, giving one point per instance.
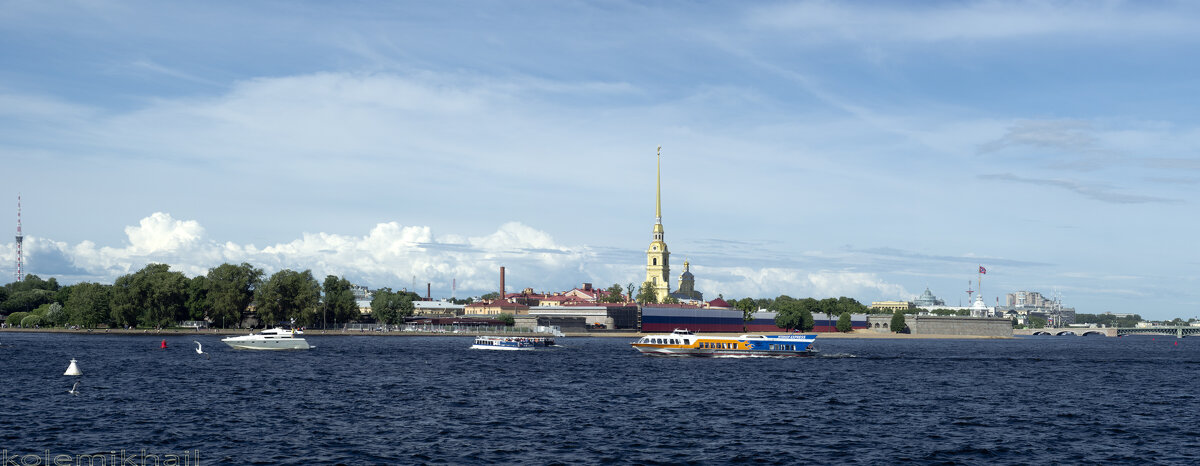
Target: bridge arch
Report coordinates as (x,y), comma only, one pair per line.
(1093,332)
(1041,332)
(1065,333)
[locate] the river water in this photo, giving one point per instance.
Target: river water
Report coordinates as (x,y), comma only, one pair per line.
(400,400)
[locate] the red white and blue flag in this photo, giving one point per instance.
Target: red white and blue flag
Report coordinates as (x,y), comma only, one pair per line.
(982,270)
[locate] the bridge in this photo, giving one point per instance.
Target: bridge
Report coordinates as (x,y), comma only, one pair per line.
(1177,332)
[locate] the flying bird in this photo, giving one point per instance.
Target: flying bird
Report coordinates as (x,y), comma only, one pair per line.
(74,389)
(200,350)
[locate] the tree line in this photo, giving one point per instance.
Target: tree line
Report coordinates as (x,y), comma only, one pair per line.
(156,296)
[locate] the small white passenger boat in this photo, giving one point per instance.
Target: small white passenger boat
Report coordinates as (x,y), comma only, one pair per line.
(270,339)
(512,343)
(686,343)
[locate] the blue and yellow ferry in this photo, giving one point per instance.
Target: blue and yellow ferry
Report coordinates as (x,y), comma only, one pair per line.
(686,343)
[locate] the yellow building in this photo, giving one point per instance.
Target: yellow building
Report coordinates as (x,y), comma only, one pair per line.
(892,306)
(495,308)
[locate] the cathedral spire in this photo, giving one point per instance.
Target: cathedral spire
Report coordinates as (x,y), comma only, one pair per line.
(658,191)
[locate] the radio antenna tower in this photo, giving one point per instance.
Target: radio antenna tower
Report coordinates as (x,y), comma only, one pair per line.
(20,239)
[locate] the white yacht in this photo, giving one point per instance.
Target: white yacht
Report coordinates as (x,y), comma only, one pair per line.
(271,339)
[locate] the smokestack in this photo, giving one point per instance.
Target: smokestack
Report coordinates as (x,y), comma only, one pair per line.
(428,291)
(501,283)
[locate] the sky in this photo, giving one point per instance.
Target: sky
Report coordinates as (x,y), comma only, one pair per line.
(809,148)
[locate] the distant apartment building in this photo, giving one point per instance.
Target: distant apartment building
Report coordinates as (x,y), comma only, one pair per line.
(1023,304)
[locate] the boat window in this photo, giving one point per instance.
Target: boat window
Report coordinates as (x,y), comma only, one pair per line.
(686,341)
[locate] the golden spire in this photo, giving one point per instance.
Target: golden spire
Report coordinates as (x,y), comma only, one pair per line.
(658,194)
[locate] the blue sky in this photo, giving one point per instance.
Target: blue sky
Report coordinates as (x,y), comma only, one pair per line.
(865,149)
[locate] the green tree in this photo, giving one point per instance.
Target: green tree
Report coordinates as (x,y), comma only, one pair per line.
(392,307)
(829,307)
(153,296)
(507,319)
(748,308)
(26,299)
(490,296)
(339,300)
(288,296)
(231,289)
(196,301)
(898,325)
(41,310)
(843,323)
(15,318)
(63,294)
(1037,322)
(791,313)
(31,320)
(55,315)
(647,295)
(629,289)
(613,294)
(88,305)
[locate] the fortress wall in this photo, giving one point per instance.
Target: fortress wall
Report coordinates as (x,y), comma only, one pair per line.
(959,325)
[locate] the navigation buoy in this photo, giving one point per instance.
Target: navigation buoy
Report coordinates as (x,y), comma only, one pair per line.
(164,344)
(72,369)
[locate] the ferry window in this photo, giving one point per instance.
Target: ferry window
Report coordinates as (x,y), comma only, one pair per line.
(686,341)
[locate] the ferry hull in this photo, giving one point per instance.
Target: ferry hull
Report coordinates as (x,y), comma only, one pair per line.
(707,353)
(268,345)
(686,343)
(503,348)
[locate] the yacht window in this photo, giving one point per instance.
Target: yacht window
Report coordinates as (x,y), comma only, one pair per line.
(686,341)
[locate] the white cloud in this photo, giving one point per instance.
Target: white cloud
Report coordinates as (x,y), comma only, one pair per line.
(161,233)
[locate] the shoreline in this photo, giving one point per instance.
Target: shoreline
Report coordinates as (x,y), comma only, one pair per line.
(858,334)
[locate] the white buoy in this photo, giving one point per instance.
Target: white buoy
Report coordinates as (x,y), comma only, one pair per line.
(72,369)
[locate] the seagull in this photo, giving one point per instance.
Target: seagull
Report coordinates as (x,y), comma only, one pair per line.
(74,389)
(200,350)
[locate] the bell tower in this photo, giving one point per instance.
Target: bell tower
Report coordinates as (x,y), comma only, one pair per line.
(658,264)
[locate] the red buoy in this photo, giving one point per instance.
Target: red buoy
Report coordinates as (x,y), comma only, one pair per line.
(164,344)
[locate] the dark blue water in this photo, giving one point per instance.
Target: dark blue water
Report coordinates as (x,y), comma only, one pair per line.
(386,400)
